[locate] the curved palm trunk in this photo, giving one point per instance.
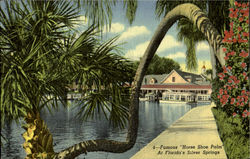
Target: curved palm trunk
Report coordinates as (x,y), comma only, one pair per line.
(189,11)
(213,62)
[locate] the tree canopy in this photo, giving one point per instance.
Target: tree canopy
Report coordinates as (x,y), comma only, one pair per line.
(159,65)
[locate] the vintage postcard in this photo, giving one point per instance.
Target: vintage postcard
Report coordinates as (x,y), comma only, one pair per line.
(121,79)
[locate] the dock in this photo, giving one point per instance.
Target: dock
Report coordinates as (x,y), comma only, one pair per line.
(193,136)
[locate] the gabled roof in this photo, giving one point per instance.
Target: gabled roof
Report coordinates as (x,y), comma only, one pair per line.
(195,78)
(186,75)
(171,73)
(158,78)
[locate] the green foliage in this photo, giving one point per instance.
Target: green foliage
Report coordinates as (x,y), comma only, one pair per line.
(164,6)
(99,12)
(235,138)
(232,88)
(30,48)
(159,65)
(40,56)
(190,35)
(215,8)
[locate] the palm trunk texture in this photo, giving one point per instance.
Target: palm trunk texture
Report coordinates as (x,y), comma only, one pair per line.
(187,10)
(38,140)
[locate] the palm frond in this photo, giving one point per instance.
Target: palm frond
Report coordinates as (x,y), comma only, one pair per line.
(99,12)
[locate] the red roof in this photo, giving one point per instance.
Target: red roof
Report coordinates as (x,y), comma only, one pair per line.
(178,86)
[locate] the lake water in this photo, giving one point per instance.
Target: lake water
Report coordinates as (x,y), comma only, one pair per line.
(154,118)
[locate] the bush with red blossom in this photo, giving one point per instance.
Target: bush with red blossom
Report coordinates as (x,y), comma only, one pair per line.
(233,94)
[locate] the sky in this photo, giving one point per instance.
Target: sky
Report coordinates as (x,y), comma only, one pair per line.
(138,35)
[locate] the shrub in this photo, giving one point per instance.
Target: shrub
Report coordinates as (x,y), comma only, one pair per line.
(235,139)
(232,87)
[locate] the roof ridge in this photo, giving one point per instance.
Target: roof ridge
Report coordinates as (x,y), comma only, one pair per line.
(187,72)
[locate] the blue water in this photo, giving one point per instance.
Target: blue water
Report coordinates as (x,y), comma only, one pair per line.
(154,118)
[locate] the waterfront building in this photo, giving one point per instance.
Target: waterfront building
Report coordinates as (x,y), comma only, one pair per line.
(177,86)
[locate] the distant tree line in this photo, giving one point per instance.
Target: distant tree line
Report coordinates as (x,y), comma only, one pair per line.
(159,65)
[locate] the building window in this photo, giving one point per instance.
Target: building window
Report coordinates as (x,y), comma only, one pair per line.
(167,97)
(171,97)
(173,79)
(153,81)
(177,97)
(183,98)
(199,98)
(145,80)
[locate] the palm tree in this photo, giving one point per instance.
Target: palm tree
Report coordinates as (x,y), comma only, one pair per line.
(100,12)
(213,9)
(191,36)
(39,58)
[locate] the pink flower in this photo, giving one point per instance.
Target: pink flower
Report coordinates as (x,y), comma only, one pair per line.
(246,34)
(244,5)
(225,92)
(244,115)
(248,113)
(231,15)
(232,100)
(224,49)
(239,28)
(237,81)
(243,92)
(232,53)
(244,74)
(221,91)
(229,67)
(241,19)
(234,114)
(243,54)
(243,65)
(231,23)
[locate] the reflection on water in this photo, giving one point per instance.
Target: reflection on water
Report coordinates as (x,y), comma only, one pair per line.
(153,119)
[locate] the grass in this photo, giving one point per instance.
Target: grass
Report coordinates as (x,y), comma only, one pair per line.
(235,139)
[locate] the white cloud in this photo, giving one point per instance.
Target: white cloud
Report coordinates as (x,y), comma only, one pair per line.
(176,55)
(200,65)
(202,46)
(168,42)
(138,52)
(133,32)
(81,20)
(115,28)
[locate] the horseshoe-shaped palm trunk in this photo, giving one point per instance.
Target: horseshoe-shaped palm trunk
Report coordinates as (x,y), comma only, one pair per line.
(194,14)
